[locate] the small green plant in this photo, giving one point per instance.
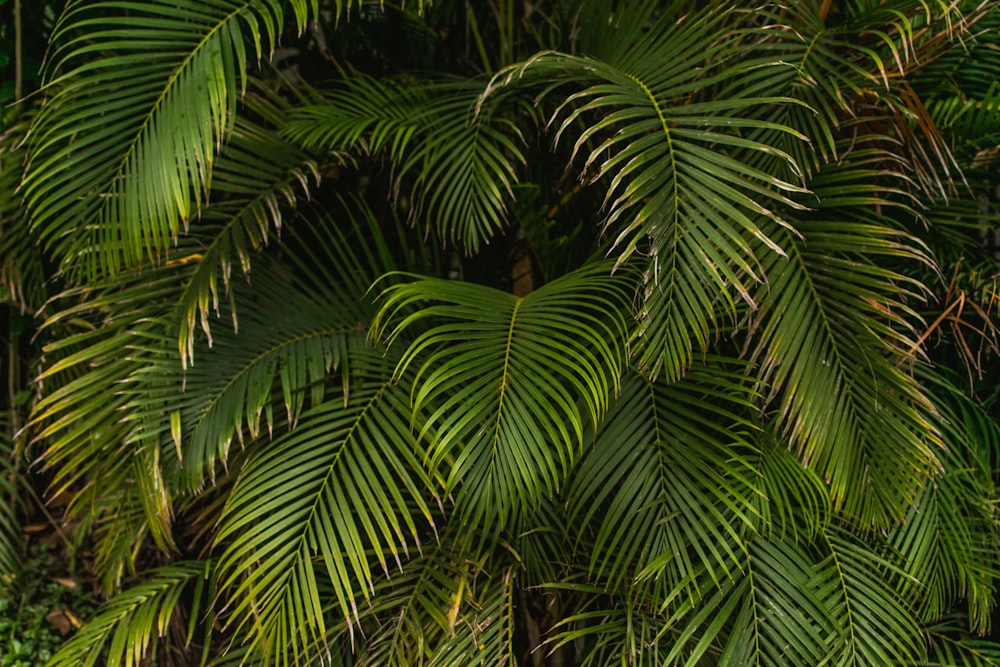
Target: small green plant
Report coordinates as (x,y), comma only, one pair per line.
(32,607)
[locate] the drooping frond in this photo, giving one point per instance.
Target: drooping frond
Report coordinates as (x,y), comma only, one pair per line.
(295,334)
(681,191)
(127,629)
(860,588)
(508,384)
(667,485)
(122,151)
(316,509)
(22,269)
(835,332)
(950,646)
(256,177)
(455,161)
(948,542)
(111,464)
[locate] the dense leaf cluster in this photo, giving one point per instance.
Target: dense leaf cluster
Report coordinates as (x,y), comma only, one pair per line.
(570,332)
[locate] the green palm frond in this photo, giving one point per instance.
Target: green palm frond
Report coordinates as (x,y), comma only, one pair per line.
(126,630)
(949,541)
(122,151)
(483,635)
(11,495)
(667,485)
(502,379)
(679,187)
(255,178)
(316,509)
(794,503)
(233,390)
(106,460)
(455,160)
(972,124)
(22,268)
(787,622)
(610,630)
(835,328)
(860,590)
(950,646)
(367,115)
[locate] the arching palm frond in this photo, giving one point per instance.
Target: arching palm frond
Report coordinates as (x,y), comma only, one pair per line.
(855,70)
(951,647)
(454,160)
(301,321)
(615,630)
(794,504)
(948,542)
(860,588)
(787,621)
(234,390)
(679,188)
(502,380)
(109,463)
(666,488)
(316,509)
(22,268)
(122,152)
(127,629)
(256,177)
(835,330)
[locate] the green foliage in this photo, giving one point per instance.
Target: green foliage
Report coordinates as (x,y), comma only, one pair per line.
(583,332)
(28,603)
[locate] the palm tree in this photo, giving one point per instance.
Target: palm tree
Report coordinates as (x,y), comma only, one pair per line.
(566,333)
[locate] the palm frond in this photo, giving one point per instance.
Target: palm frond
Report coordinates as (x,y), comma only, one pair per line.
(455,159)
(680,190)
(125,629)
(122,152)
(315,509)
(667,486)
(255,178)
(794,503)
(860,590)
(22,268)
(234,390)
(949,541)
(781,620)
(502,379)
(107,461)
(835,329)
(950,646)
(11,495)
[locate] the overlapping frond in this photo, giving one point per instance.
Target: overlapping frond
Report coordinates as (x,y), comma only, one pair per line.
(835,334)
(948,542)
(294,337)
(455,161)
(316,510)
(127,629)
(860,589)
(951,647)
(255,178)
(22,269)
(122,151)
(667,485)
(680,188)
(105,460)
(508,384)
